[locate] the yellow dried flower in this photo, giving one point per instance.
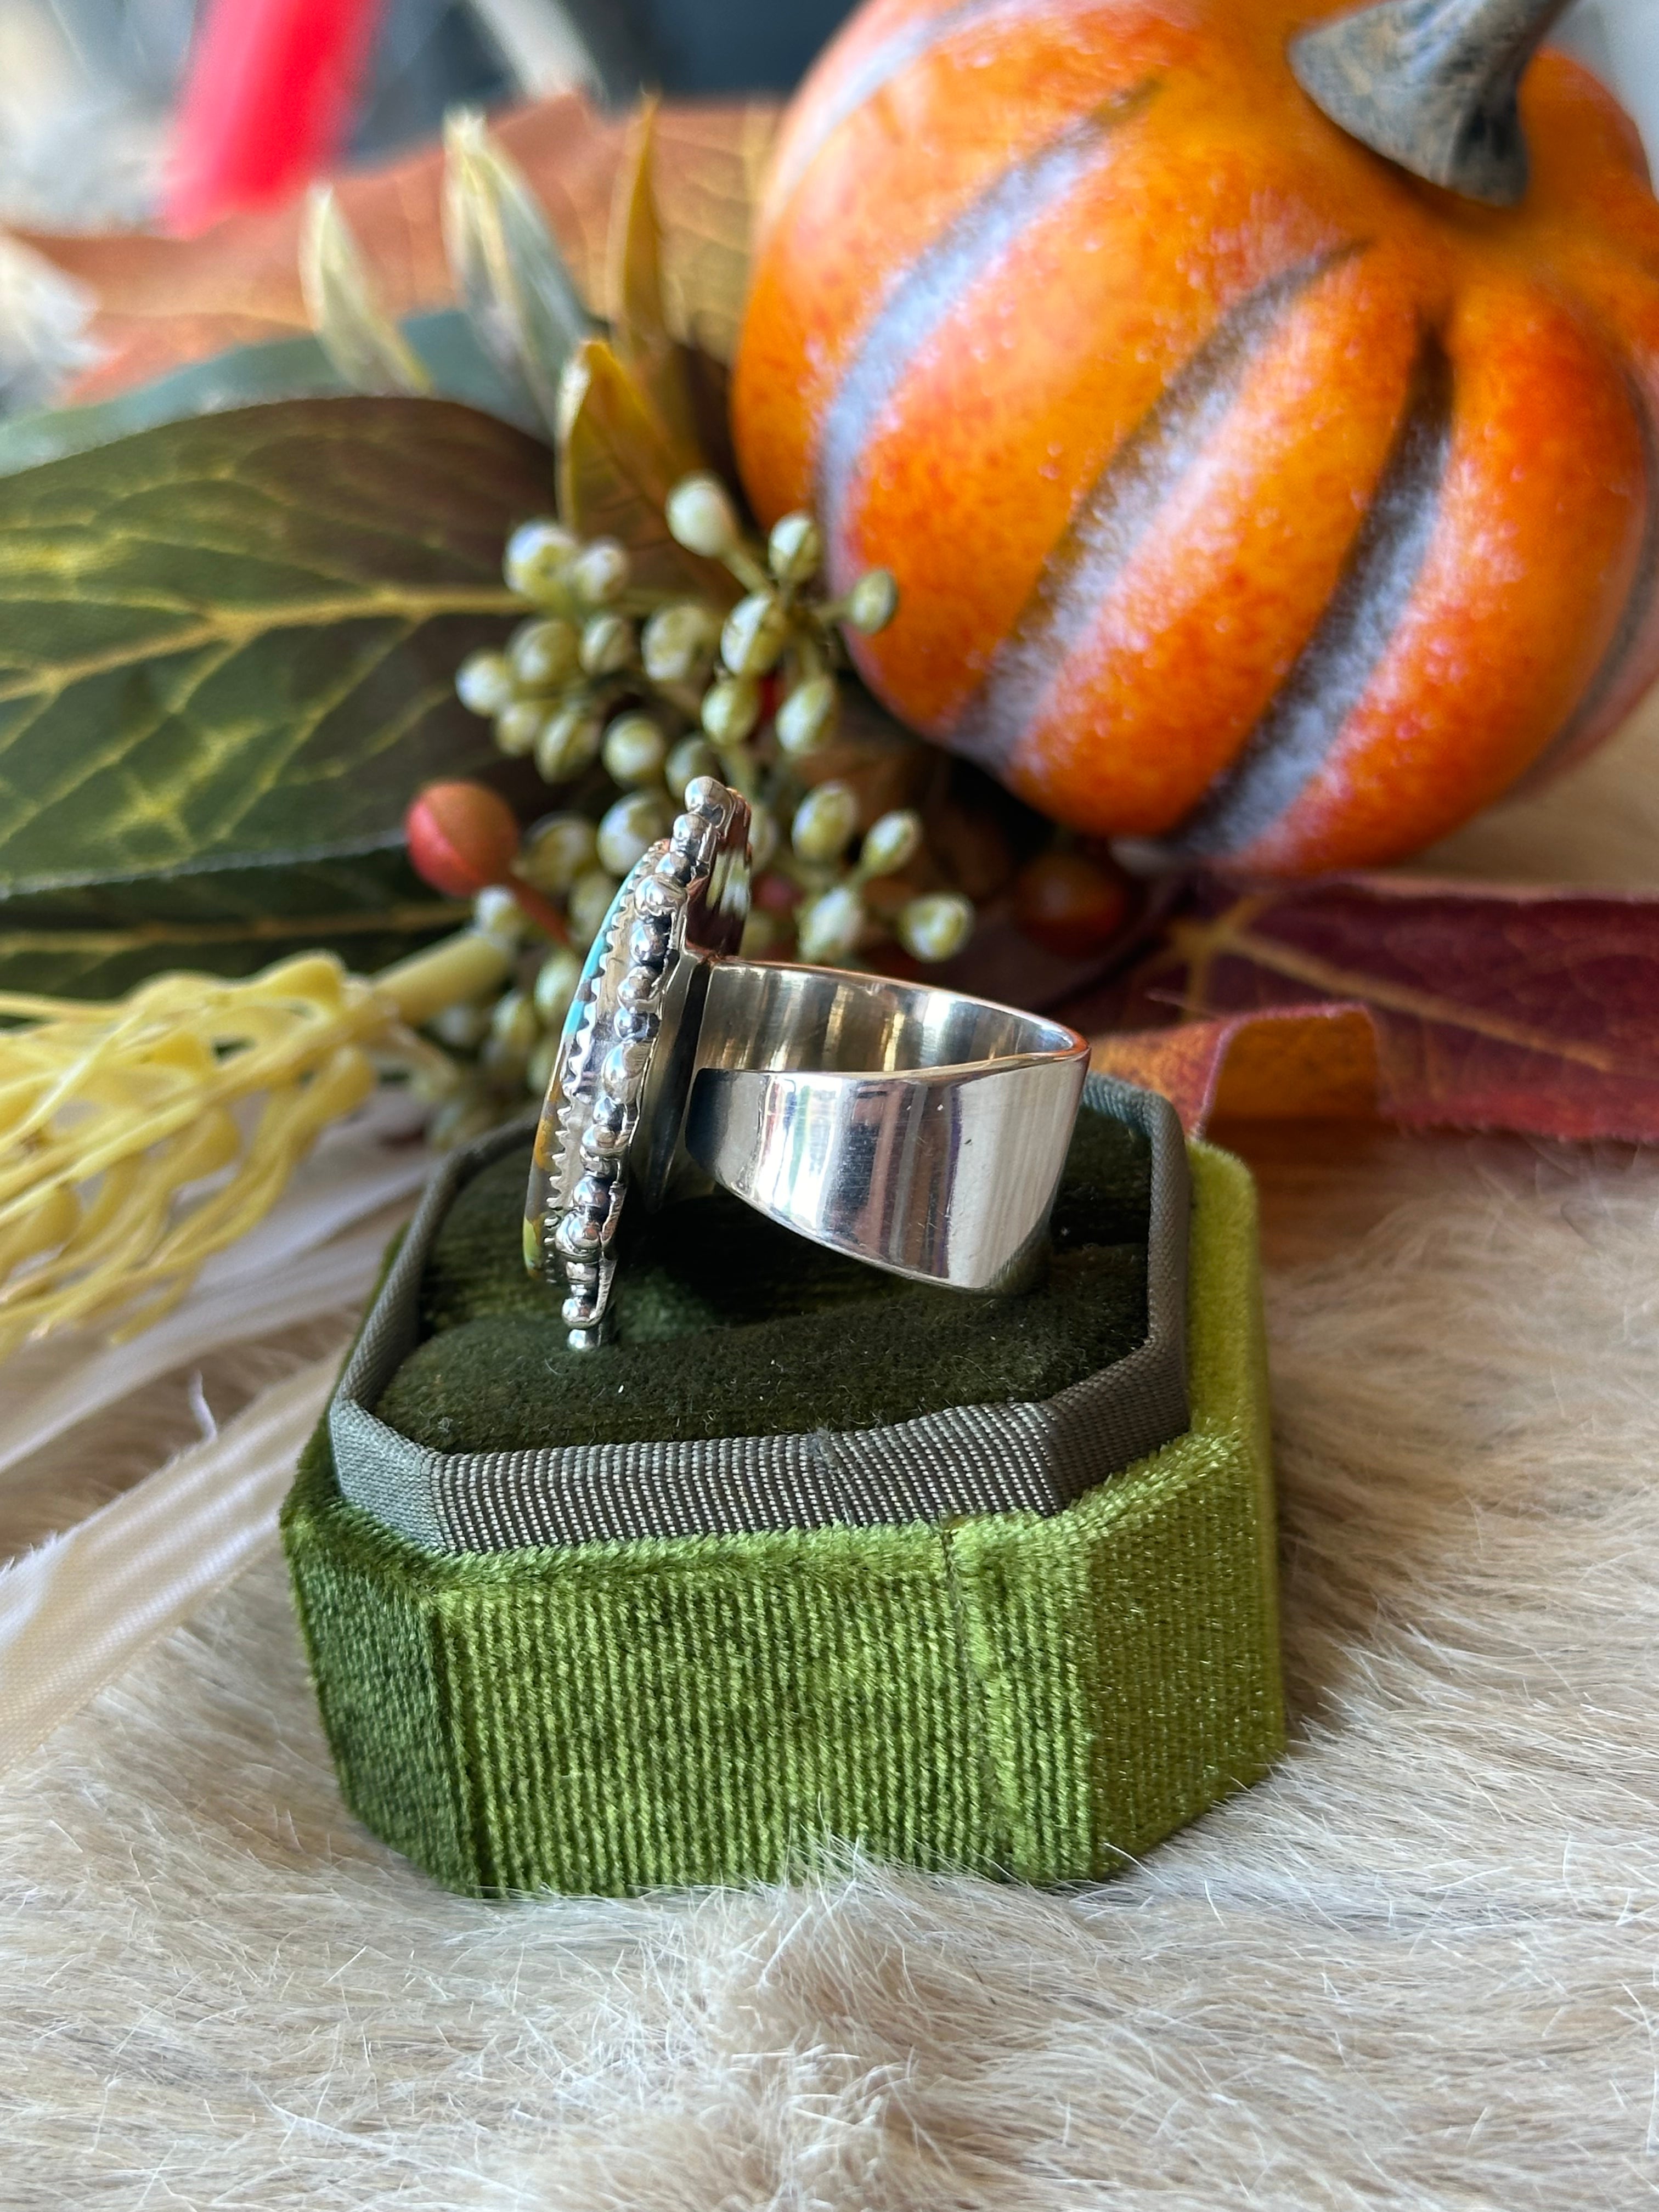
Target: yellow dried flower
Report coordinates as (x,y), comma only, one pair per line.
(113,1115)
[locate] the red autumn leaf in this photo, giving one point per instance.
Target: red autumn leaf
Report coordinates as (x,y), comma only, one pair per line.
(1531,1010)
(166,301)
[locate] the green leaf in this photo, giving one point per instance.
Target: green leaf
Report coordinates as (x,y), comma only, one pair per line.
(506,267)
(253,376)
(227,658)
(246,376)
(461,370)
(346,311)
(371,910)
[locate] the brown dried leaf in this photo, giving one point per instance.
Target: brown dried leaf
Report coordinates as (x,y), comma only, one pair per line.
(164,302)
(617,467)
(638,324)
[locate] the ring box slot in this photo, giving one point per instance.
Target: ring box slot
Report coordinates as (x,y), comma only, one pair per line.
(1023,1452)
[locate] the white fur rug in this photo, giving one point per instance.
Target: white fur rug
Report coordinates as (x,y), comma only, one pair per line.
(1416,1968)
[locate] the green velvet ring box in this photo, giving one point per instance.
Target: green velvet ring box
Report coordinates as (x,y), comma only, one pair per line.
(809,1553)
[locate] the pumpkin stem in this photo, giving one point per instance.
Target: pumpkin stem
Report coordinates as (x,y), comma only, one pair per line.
(1432,84)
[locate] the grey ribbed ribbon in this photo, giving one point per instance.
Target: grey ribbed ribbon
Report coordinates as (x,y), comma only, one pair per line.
(1032,1456)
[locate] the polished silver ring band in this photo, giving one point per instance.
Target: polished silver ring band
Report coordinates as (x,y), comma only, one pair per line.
(916,1129)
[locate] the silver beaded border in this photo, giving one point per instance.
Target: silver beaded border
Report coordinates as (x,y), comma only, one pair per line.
(577,1240)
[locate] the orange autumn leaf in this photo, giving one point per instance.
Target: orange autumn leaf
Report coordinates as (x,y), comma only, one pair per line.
(1315,1063)
(163,302)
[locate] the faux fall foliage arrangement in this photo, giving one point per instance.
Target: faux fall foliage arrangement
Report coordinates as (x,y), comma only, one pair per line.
(231,639)
(257,634)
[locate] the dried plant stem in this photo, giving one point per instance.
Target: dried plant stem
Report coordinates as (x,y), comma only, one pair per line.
(462,967)
(141,1137)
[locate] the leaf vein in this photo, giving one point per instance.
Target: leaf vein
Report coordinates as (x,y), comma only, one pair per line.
(243,626)
(1336,981)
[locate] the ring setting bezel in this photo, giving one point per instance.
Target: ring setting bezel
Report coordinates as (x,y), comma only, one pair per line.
(617,1097)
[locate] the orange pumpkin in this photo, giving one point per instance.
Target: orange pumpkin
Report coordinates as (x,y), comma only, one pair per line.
(1244,493)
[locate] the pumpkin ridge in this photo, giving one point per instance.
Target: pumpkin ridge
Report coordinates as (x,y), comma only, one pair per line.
(1304,600)
(1576,730)
(1118,508)
(923,294)
(1330,675)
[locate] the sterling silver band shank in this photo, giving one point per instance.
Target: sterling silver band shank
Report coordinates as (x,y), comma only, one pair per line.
(911,1127)
(916,1129)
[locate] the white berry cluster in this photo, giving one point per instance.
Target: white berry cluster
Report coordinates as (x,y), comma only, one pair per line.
(622,696)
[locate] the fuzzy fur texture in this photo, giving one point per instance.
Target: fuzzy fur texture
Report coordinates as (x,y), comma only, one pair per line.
(1414,1969)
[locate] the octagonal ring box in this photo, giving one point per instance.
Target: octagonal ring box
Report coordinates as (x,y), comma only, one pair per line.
(808,1553)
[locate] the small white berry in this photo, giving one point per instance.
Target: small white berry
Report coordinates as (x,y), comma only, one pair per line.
(518,727)
(825,822)
(589,903)
(690,758)
(702,518)
(794,549)
(807,717)
(890,843)
(828,927)
(763,836)
(626,828)
(497,913)
(555,850)
(556,984)
(633,751)
(462,1028)
(607,644)
(599,572)
(542,653)
(515,1024)
(568,741)
(675,639)
(483,683)
(537,555)
(872,602)
(937,925)
(730,710)
(755,632)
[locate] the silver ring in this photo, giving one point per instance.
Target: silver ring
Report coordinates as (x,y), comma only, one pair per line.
(916,1129)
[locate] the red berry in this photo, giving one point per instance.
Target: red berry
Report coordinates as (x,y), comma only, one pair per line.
(462,838)
(775,894)
(1070,904)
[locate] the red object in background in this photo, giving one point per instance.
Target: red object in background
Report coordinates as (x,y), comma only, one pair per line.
(463,839)
(266,105)
(1072,905)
